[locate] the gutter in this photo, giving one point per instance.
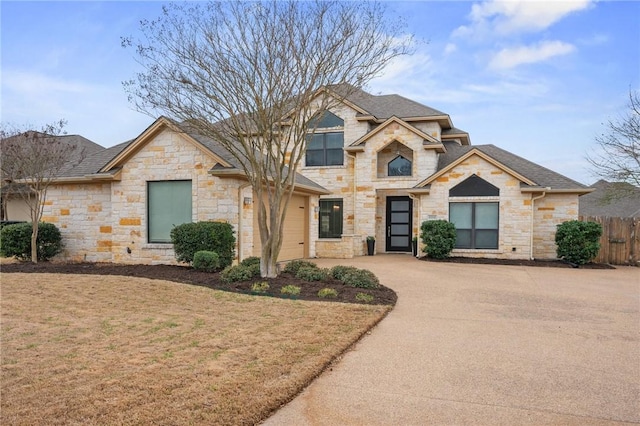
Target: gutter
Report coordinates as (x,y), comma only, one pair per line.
(533,207)
(355,192)
(240,211)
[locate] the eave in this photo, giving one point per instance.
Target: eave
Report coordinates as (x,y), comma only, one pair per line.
(239,174)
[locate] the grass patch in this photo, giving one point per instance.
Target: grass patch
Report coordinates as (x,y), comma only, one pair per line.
(142,351)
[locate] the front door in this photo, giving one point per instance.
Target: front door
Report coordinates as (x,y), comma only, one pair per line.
(399,223)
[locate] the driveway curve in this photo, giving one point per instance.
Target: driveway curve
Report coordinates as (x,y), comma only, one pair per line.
(486,345)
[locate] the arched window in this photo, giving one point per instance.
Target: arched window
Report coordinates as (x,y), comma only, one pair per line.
(325,147)
(399,166)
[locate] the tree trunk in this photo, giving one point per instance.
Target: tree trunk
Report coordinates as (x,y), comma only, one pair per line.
(34,239)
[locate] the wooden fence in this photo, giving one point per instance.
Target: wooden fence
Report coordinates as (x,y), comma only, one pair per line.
(620,241)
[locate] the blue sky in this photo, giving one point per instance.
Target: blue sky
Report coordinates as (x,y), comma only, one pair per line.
(537,78)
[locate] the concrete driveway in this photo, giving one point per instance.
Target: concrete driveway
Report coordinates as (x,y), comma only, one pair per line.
(487,345)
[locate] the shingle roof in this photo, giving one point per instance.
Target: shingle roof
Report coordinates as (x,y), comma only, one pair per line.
(613,199)
(93,163)
(540,175)
(385,106)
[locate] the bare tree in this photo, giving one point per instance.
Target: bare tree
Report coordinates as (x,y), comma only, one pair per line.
(30,162)
(253,75)
(618,155)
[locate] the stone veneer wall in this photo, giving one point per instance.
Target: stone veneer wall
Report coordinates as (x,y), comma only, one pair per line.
(515,207)
(99,222)
(82,212)
(168,156)
(549,212)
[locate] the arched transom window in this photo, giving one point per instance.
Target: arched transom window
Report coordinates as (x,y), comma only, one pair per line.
(399,166)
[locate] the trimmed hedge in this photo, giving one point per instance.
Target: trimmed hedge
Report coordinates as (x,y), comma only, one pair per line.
(361,278)
(293,266)
(312,273)
(439,238)
(207,261)
(237,273)
(15,241)
(578,242)
(190,238)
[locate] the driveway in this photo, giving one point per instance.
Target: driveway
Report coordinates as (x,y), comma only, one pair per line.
(486,345)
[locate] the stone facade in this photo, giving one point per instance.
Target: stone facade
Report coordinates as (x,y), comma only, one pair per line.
(107,220)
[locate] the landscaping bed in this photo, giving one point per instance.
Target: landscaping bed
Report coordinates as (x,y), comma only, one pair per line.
(182,274)
(519,262)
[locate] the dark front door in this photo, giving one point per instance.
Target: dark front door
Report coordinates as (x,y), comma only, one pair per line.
(399,223)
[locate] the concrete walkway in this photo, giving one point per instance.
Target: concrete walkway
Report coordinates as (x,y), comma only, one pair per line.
(487,345)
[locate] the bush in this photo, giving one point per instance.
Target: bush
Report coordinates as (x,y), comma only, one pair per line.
(190,238)
(314,273)
(260,288)
(361,278)
(290,290)
(338,272)
(578,242)
(327,292)
(293,266)
(364,297)
(237,273)
(206,261)
(250,261)
(439,237)
(16,241)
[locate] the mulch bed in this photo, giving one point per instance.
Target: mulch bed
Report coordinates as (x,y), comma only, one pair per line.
(523,262)
(308,290)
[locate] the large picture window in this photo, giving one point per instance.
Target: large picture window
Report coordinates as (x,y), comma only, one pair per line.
(476,224)
(325,149)
(168,205)
(330,219)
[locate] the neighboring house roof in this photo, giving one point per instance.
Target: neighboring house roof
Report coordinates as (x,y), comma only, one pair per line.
(537,175)
(613,199)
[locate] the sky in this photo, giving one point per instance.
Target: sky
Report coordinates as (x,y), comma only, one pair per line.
(538,78)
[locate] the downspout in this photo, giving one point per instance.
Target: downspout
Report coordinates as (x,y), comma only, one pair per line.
(240,212)
(533,210)
(355,192)
(413,197)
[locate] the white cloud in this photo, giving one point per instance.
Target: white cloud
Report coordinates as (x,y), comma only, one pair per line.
(450,48)
(516,16)
(513,57)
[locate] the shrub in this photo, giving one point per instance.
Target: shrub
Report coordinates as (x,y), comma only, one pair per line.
(250,261)
(439,237)
(314,273)
(16,241)
(290,290)
(293,266)
(237,273)
(361,278)
(190,238)
(578,242)
(364,297)
(338,272)
(327,292)
(261,287)
(206,261)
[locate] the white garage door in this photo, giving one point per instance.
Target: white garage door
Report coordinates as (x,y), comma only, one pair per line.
(295,230)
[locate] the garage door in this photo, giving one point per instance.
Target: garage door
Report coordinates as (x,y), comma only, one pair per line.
(295,230)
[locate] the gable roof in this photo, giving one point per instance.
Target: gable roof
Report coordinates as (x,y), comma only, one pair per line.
(380,108)
(532,175)
(613,199)
(428,140)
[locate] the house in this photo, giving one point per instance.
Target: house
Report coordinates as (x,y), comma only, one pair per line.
(611,199)
(12,205)
(375,166)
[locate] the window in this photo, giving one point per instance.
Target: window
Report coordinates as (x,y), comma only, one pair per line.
(330,219)
(325,149)
(168,205)
(399,166)
(476,224)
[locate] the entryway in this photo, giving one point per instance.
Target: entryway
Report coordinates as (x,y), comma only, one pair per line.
(399,224)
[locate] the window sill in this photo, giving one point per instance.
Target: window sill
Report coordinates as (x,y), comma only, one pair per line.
(331,239)
(338,166)
(489,251)
(157,246)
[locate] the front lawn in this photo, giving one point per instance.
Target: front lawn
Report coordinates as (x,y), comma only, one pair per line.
(107,349)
